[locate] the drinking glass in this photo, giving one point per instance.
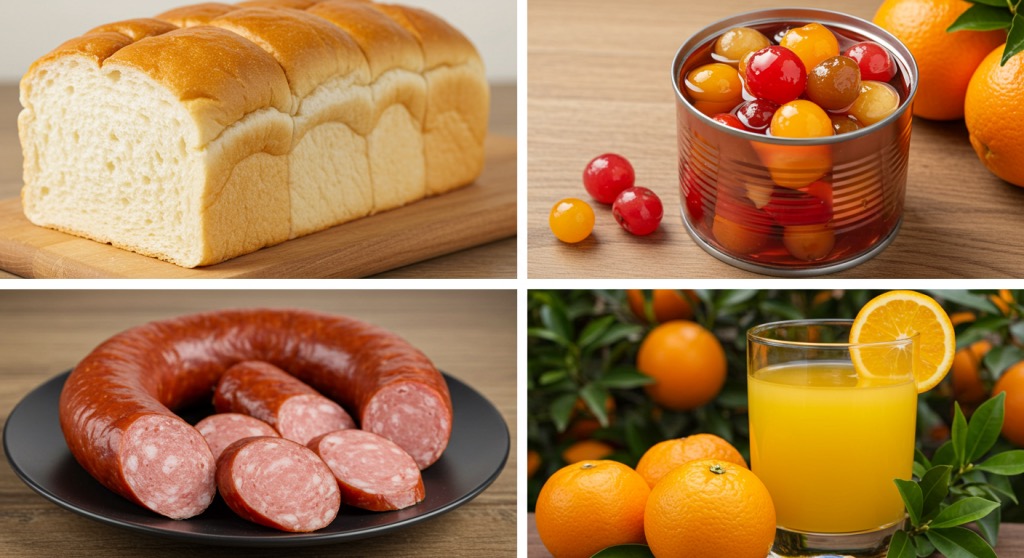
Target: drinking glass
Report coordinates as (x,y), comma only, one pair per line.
(831,426)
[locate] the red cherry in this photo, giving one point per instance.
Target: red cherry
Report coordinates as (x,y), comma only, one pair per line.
(756,114)
(811,205)
(875,62)
(606,176)
(638,210)
(777,74)
(729,120)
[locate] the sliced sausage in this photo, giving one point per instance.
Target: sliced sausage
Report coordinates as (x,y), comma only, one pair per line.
(278,483)
(223,429)
(168,466)
(149,370)
(270,394)
(373,472)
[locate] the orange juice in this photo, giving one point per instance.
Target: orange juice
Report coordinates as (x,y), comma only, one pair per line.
(828,444)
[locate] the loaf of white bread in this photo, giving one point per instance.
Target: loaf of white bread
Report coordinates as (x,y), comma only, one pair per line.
(214,130)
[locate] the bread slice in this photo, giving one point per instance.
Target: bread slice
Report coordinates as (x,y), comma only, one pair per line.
(214,130)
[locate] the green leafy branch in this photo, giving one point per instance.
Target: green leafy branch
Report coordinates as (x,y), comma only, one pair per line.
(990,15)
(580,365)
(957,487)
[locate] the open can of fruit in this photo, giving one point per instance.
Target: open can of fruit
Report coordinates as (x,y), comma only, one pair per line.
(794,133)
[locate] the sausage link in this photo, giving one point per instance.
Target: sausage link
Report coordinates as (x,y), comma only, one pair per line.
(117,398)
(266,392)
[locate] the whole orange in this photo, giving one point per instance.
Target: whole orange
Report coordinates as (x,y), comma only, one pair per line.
(662,458)
(710,509)
(586,450)
(1012,382)
(687,363)
(992,109)
(589,506)
(945,61)
(668,304)
(967,385)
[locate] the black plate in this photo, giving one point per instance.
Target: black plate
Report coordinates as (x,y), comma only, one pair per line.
(37,451)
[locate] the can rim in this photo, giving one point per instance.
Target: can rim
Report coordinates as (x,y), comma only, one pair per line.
(832,18)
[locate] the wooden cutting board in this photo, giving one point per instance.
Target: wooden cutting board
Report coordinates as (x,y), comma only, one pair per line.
(477,214)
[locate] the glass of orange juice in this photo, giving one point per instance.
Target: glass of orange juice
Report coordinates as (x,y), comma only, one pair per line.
(828,437)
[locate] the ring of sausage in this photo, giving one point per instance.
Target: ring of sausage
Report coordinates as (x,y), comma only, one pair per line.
(116,408)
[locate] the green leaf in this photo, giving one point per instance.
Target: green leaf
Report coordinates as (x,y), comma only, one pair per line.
(970,336)
(983,430)
(989,526)
(1006,463)
(547,334)
(996,3)
(616,333)
(919,469)
(900,546)
(1014,39)
(551,377)
(912,499)
(561,409)
(923,547)
(934,487)
(945,455)
(625,377)
(595,396)
(963,511)
(920,457)
(957,542)
(625,551)
(780,308)
(1017,329)
(635,437)
(593,330)
(554,319)
(715,424)
(735,298)
(732,397)
(964,298)
(1001,485)
(959,435)
(980,329)
(999,359)
(980,17)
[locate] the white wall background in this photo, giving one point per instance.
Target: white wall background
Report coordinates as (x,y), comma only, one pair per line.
(34,27)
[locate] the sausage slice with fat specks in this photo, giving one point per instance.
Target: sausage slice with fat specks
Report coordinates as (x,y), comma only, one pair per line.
(223,429)
(373,472)
(278,483)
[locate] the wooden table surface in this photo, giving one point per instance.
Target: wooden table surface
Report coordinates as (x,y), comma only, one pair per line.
(43,333)
(1011,541)
(492,260)
(599,81)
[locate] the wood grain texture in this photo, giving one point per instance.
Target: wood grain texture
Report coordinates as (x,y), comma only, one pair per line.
(600,81)
(43,333)
(1011,540)
(465,234)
